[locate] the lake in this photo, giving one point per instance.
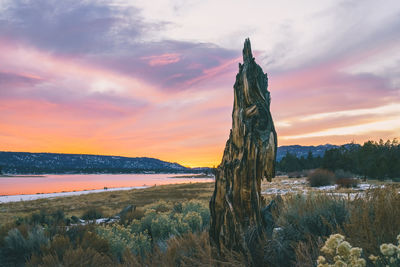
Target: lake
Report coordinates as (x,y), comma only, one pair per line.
(18,185)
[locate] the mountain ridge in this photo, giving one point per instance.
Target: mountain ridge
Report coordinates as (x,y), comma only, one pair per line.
(60,163)
(66,163)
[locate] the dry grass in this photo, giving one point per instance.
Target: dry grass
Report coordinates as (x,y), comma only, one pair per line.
(374,219)
(112,202)
(188,250)
(307,251)
(109,202)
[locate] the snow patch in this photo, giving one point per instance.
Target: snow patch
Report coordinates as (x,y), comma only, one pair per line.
(294,182)
(275,191)
(326,187)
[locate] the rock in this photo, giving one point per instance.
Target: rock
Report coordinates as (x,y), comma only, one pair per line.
(249,157)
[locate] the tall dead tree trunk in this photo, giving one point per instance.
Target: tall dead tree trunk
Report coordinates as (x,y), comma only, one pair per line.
(249,157)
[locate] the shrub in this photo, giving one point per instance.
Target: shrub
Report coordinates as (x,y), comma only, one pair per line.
(58,216)
(177,208)
(162,227)
(161,206)
(37,239)
(127,217)
(61,249)
(92,213)
(301,219)
(4,230)
(148,217)
(194,220)
(347,182)
(345,179)
(181,225)
(121,238)
(199,207)
(135,226)
(94,241)
(40,218)
(321,177)
(59,245)
(17,249)
(56,251)
(340,253)
(179,219)
(315,214)
(76,233)
(44,217)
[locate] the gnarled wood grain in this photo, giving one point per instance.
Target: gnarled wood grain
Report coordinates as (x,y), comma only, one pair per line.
(249,157)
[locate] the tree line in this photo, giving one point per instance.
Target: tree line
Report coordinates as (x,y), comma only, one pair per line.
(377,160)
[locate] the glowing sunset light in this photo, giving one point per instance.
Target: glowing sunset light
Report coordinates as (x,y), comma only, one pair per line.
(386,125)
(387,109)
(134,78)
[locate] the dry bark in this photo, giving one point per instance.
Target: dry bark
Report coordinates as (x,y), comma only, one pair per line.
(249,157)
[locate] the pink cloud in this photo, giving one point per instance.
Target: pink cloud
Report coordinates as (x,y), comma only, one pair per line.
(161,60)
(326,87)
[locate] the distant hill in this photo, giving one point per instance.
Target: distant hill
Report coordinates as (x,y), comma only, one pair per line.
(302,151)
(46,163)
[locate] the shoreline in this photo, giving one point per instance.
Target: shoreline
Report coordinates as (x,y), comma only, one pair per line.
(194,176)
(30,197)
(175,175)
(22,176)
(15,196)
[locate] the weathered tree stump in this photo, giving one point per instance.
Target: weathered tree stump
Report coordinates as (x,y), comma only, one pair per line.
(249,157)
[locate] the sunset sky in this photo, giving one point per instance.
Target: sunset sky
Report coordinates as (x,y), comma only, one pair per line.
(155,78)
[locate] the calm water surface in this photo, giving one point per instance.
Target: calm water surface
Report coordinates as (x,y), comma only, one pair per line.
(80,182)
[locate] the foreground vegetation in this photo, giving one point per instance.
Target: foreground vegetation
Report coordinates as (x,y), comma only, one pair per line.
(109,203)
(168,226)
